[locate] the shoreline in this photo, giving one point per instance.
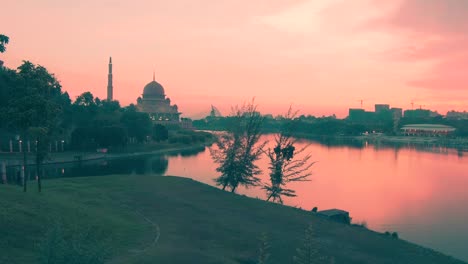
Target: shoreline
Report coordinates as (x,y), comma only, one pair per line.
(460,144)
(70,157)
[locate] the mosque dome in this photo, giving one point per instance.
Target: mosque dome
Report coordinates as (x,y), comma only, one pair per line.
(153,90)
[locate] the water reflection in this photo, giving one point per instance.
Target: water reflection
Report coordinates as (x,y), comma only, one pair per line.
(134,165)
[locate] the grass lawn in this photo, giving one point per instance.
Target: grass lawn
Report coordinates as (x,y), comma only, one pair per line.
(156,219)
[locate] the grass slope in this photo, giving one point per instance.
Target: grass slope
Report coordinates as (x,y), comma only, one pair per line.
(192,222)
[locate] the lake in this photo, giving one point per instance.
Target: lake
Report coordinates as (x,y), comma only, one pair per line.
(420,193)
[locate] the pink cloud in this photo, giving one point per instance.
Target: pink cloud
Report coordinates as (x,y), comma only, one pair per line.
(436,31)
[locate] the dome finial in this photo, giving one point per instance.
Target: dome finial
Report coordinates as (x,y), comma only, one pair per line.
(153,76)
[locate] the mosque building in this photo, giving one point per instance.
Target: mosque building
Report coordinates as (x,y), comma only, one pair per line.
(154,102)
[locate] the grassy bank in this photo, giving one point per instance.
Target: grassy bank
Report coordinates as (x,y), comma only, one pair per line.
(151,219)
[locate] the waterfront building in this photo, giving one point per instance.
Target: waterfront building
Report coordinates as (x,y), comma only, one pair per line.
(431,130)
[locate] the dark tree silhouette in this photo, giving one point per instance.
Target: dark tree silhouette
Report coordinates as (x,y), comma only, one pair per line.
(160,133)
(3,41)
(35,101)
(286,163)
(237,150)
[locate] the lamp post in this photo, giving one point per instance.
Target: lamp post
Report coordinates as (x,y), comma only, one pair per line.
(63,141)
(20,144)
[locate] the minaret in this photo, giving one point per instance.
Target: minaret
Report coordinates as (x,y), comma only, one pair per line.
(109,82)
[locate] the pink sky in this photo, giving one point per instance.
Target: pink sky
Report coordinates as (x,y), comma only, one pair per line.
(322,56)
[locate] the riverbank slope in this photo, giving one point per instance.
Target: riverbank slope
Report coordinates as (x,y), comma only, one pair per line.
(157,219)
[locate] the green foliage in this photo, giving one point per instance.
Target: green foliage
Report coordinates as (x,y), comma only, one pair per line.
(160,133)
(111,136)
(286,163)
(237,150)
(138,124)
(3,41)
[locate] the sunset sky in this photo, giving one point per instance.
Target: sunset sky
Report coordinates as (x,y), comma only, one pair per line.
(322,56)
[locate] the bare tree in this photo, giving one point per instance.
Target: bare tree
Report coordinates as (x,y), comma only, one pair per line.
(286,163)
(238,149)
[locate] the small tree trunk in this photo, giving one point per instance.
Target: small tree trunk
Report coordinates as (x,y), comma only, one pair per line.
(24,170)
(39,185)
(4,173)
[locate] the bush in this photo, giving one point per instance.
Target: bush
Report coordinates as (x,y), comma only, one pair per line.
(184,139)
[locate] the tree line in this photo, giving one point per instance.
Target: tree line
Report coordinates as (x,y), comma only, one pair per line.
(333,126)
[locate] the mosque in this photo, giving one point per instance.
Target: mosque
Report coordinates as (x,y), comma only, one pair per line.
(154,102)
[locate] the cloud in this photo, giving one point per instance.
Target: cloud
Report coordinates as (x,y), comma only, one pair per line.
(435,31)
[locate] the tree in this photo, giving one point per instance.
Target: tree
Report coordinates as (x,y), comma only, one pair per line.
(263,249)
(3,41)
(35,100)
(138,124)
(85,99)
(286,165)
(308,252)
(238,149)
(40,135)
(160,133)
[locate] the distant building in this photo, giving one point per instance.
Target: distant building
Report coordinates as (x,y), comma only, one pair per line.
(431,130)
(457,115)
(417,113)
(157,105)
(360,115)
(397,112)
(381,107)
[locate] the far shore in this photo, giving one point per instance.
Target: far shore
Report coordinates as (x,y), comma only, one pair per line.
(455,143)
